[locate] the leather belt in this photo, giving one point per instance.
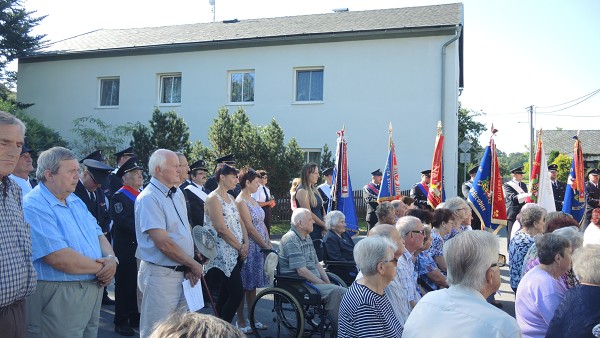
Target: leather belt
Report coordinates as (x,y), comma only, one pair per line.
(179,268)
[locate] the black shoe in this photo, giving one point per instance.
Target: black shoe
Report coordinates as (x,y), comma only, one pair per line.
(107,301)
(124,330)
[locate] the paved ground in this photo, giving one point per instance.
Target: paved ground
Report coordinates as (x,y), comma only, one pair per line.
(506,296)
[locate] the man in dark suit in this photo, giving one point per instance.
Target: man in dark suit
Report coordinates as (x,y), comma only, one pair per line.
(466,187)
(370,194)
(94,175)
(515,193)
(194,191)
(115,181)
(420,190)
(558,188)
(325,188)
(211,183)
(592,196)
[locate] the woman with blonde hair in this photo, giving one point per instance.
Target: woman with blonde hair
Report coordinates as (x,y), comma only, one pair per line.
(308,197)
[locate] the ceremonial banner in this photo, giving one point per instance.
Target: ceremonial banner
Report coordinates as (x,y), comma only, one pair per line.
(540,186)
(390,182)
(574,203)
(486,196)
(436,194)
(342,197)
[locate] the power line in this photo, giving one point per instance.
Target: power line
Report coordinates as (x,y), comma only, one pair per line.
(573,105)
(562,104)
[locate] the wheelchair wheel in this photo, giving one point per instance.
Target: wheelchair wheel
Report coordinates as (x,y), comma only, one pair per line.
(280,311)
(335,279)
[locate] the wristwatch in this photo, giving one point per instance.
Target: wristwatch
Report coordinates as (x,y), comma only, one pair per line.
(113,257)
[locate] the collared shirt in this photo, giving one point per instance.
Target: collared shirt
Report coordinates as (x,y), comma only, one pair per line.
(408,276)
(260,195)
(23,183)
(297,252)
(56,226)
(17,275)
(155,210)
(462,311)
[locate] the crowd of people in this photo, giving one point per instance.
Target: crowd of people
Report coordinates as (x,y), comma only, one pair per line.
(82,224)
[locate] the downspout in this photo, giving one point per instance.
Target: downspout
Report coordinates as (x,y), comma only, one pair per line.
(443,96)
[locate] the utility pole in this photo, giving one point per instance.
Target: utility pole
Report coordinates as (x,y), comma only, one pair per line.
(531,135)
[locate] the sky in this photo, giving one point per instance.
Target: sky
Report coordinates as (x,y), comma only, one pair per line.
(517,53)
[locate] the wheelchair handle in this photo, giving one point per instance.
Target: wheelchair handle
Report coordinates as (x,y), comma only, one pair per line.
(268,251)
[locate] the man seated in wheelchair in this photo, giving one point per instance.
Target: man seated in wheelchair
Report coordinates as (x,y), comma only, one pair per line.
(298,258)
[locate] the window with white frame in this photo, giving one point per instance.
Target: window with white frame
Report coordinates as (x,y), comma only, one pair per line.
(312,155)
(241,86)
(309,84)
(109,92)
(170,88)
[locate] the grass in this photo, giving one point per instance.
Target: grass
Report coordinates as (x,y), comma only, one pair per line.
(280,228)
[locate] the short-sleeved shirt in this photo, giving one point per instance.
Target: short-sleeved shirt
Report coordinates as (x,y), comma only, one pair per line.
(297,252)
(17,275)
(56,226)
(437,245)
(517,249)
(155,209)
(426,264)
(408,276)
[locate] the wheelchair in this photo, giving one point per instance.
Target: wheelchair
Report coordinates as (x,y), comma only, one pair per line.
(345,270)
(294,305)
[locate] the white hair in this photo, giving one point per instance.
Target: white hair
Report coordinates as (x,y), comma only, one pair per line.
(333,218)
(468,257)
(369,251)
(586,264)
(158,159)
(298,215)
(406,224)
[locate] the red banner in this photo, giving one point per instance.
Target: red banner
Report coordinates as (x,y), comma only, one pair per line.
(579,181)
(436,183)
(534,176)
(498,203)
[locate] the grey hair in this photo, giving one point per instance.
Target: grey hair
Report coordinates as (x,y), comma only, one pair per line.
(406,224)
(8,119)
(586,264)
(333,218)
(397,203)
(531,215)
(384,210)
(193,324)
(468,257)
(298,215)
(158,159)
(50,160)
(455,203)
(549,245)
(572,234)
(369,251)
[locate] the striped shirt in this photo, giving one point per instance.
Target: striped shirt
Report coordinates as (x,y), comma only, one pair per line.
(364,313)
(17,275)
(296,252)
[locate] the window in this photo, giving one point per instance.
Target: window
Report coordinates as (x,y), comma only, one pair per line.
(312,155)
(109,92)
(170,88)
(241,87)
(309,84)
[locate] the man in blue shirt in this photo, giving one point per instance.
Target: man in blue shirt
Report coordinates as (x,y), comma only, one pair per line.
(73,259)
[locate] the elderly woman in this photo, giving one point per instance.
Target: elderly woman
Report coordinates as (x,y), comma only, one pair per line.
(532,223)
(222,216)
(338,243)
(538,295)
(253,217)
(309,198)
(579,311)
(365,311)
(430,277)
(463,213)
(443,221)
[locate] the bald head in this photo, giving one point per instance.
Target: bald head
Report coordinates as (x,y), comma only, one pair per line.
(389,231)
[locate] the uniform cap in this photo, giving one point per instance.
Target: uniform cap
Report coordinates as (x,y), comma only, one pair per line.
(98,170)
(517,170)
(96,155)
(377,173)
(129,165)
(125,152)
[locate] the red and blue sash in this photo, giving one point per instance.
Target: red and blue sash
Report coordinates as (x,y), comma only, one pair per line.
(129,192)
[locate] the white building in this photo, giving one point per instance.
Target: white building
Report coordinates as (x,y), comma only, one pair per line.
(312,73)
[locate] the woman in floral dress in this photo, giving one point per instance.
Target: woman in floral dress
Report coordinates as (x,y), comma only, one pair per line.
(222,218)
(253,217)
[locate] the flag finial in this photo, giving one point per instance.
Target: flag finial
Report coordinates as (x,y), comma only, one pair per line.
(439,127)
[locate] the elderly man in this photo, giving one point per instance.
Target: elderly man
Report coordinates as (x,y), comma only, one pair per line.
(22,170)
(473,275)
(298,258)
(165,245)
(115,181)
(413,233)
(122,205)
(17,275)
(73,258)
(400,209)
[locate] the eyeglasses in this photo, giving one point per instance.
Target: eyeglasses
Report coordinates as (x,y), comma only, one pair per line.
(501,261)
(422,232)
(395,261)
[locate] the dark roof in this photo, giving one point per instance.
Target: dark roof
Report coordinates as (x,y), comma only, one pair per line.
(562,140)
(332,25)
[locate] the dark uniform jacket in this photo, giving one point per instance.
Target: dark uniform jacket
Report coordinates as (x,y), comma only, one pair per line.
(420,197)
(513,207)
(592,199)
(196,206)
(99,209)
(211,184)
(122,213)
(114,183)
(558,189)
(370,197)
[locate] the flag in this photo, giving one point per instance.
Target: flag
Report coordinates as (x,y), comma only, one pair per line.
(574,203)
(486,196)
(436,194)
(390,182)
(342,197)
(540,186)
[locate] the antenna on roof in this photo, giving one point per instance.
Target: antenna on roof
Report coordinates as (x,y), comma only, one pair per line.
(212,3)
(337,10)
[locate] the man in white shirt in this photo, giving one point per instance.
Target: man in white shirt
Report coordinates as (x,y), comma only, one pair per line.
(592,232)
(473,274)
(264,198)
(21,172)
(325,188)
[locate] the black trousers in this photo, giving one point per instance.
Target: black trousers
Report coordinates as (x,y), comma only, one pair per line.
(126,310)
(231,291)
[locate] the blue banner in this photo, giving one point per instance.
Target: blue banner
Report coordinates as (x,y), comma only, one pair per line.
(573,204)
(345,205)
(479,193)
(390,184)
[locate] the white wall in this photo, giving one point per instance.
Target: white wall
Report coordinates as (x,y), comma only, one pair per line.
(367,84)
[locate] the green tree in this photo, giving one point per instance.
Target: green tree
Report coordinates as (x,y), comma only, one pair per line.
(327,160)
(564,166)
(470,130)
(96,134)
(37,136)
(553,154)
(16,39)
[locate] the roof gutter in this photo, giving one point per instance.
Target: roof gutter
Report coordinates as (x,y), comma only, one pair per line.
(443,86)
